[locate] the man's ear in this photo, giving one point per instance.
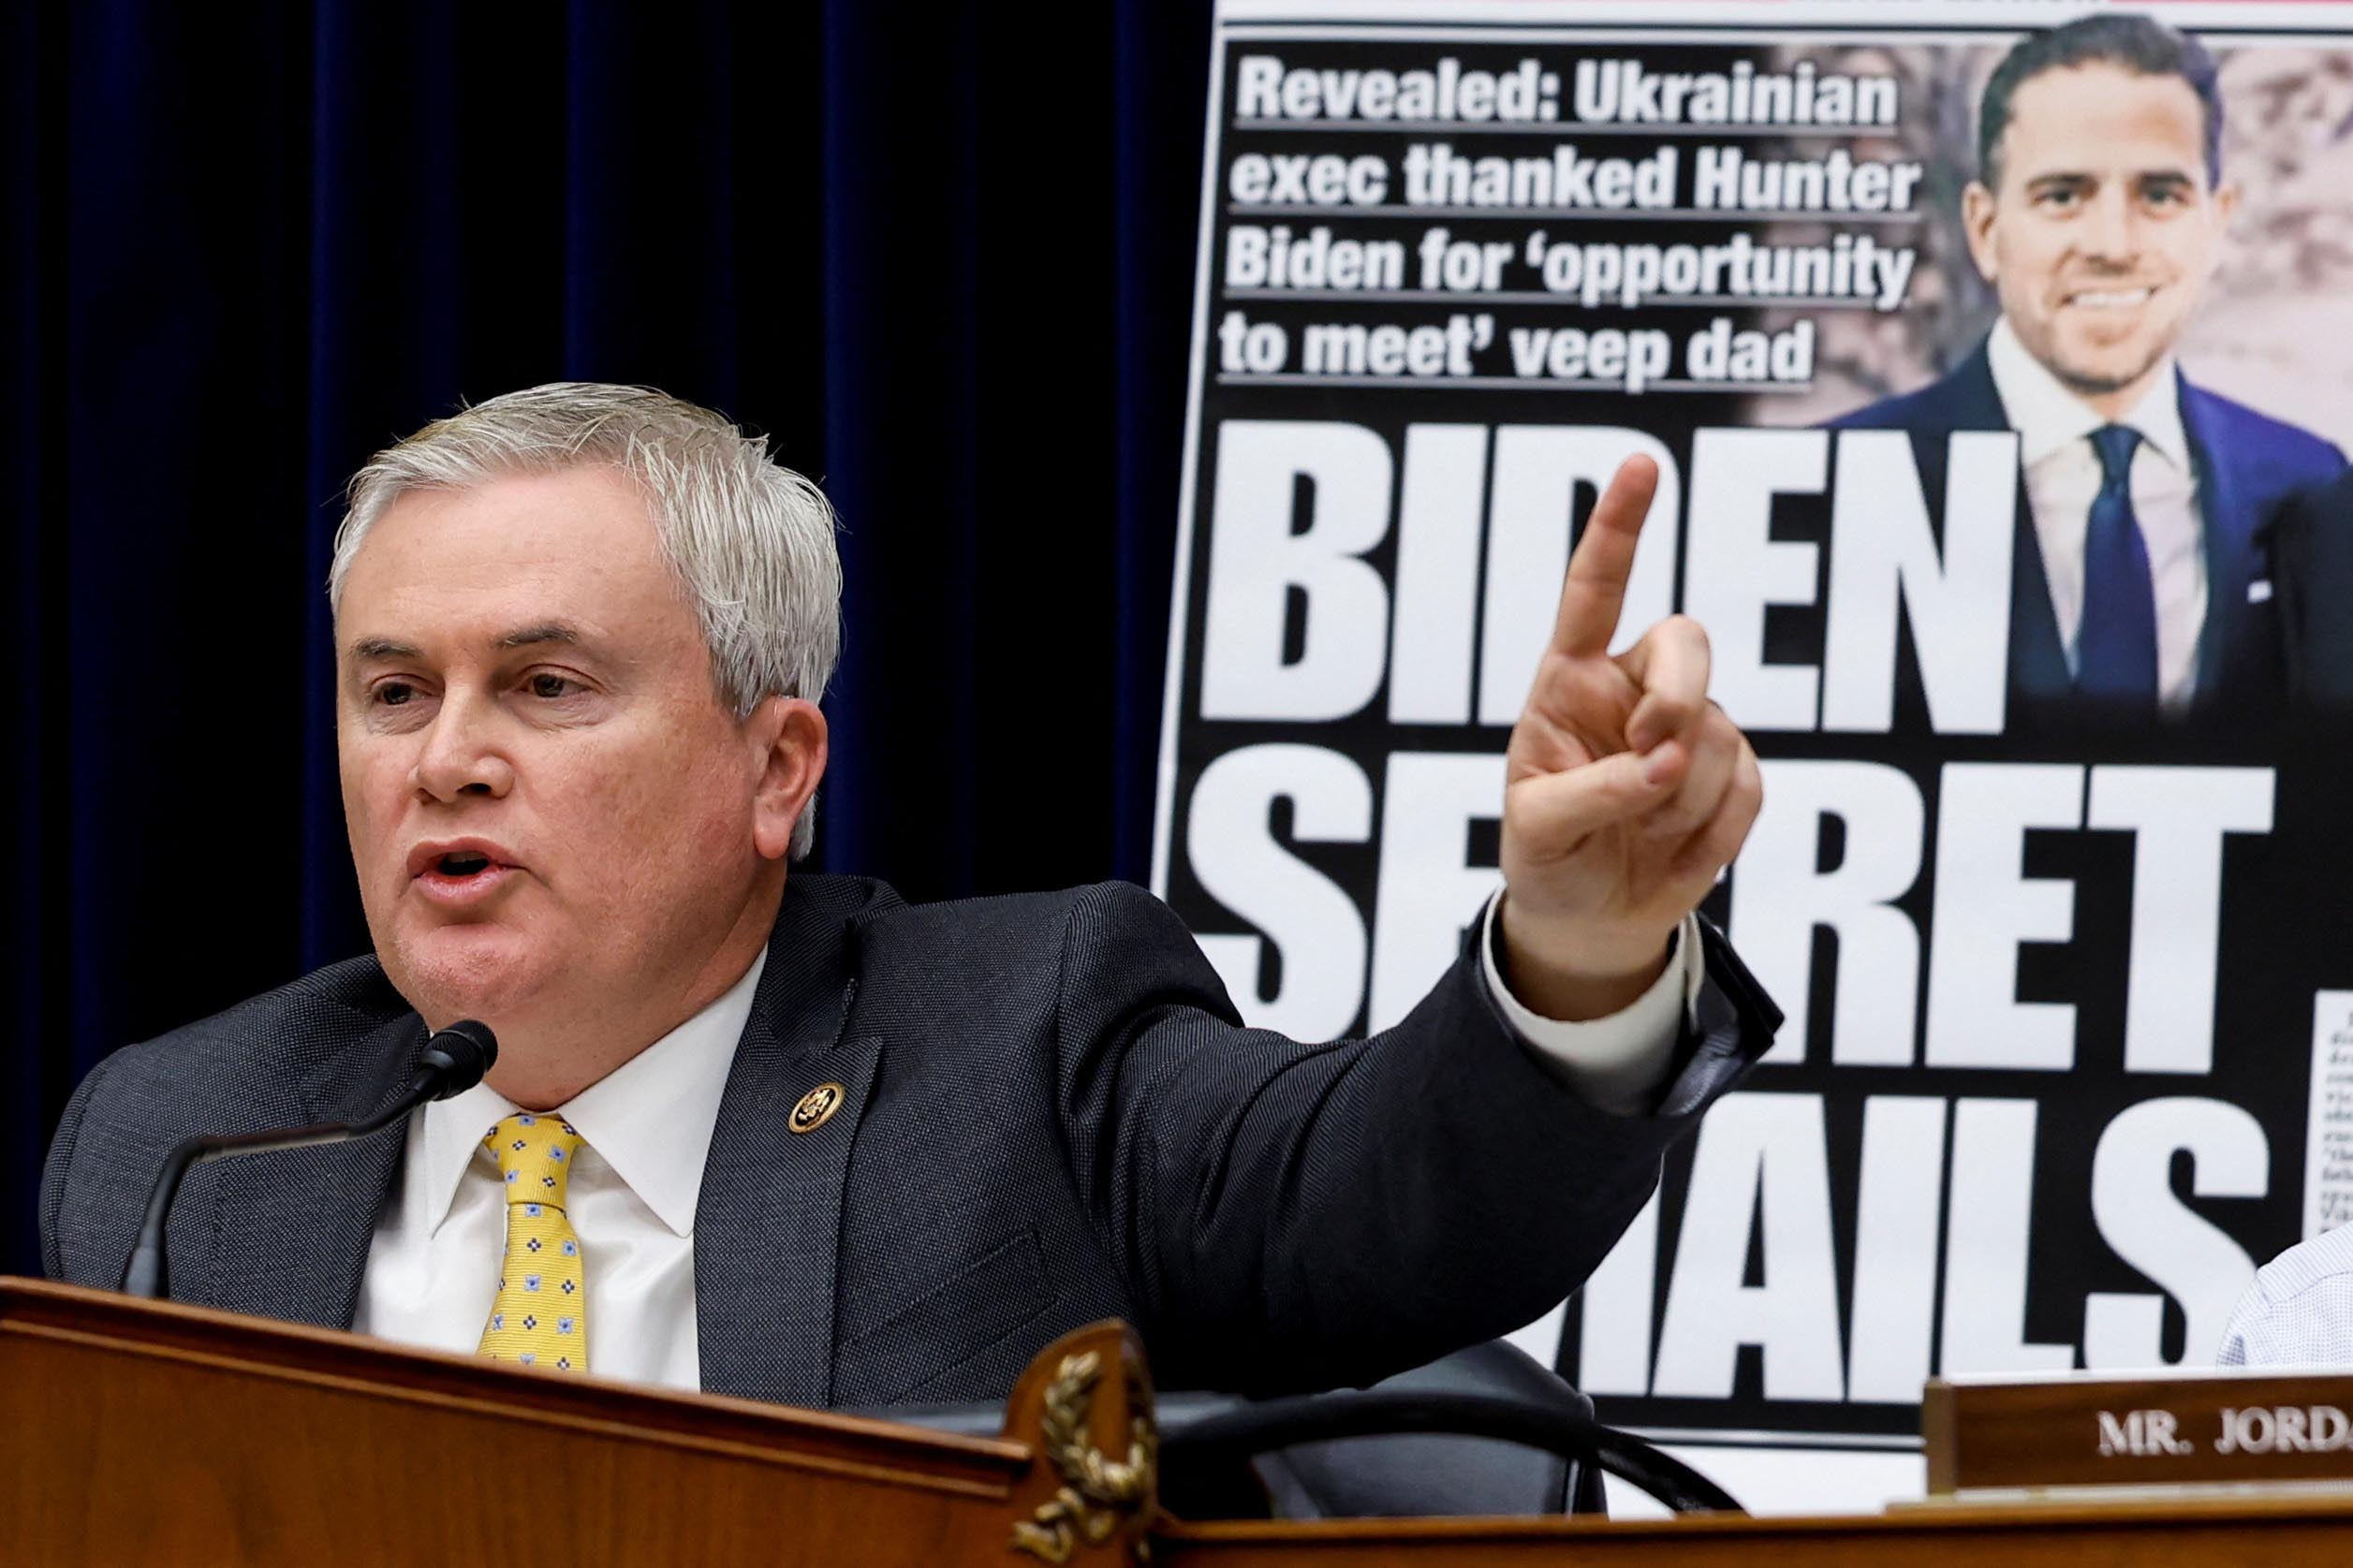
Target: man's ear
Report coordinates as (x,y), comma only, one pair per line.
(2225,205)
(788,738)
(1977,220)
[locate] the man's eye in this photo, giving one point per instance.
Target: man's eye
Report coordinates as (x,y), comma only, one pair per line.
(550,686)
(396,694)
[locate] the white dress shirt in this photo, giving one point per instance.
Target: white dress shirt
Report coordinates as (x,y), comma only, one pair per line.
(2064,477)
(432,1264)
(2299,1312)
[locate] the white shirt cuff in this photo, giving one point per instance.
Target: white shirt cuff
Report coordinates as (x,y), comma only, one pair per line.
(1616,1064)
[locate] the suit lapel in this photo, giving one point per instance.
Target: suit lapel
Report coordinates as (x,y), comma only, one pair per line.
(768,1221)
(291,1231)
(2039,659)
(1968,401)
(2228,531)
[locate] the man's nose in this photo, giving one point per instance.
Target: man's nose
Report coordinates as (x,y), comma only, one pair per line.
(2112,230)
(458,757)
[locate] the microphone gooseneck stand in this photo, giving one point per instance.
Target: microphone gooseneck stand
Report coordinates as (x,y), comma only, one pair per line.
(454,1060)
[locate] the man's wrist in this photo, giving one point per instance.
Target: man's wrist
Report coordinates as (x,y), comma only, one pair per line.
(1556,991)
(1615,1063)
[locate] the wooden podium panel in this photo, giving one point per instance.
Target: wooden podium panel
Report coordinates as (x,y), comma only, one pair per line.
(134,1431)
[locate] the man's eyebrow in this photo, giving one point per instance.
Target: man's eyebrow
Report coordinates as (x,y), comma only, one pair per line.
(527,636)
(551,631)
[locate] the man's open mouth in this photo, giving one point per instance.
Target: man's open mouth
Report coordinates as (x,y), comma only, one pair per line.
(479,861)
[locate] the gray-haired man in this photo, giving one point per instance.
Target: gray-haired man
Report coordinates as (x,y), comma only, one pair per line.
(783,1135)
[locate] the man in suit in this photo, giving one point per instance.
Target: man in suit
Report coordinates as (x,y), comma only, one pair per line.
(2140,579)
(783,1135)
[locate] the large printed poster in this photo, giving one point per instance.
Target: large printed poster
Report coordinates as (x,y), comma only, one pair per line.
(1995,357)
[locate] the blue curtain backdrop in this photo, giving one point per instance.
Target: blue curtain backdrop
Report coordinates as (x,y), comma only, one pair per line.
(943,254)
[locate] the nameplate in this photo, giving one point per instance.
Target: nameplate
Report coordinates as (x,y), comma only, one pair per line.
(2098,1430)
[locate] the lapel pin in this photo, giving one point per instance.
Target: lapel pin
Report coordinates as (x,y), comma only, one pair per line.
(816,1107)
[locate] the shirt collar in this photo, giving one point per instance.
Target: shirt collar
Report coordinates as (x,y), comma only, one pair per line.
(650,1118)
(2047,415)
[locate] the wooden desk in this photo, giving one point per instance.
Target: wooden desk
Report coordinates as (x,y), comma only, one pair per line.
(133,1432)
(2261,1533)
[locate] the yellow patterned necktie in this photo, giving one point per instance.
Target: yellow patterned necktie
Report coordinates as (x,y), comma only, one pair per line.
(540,1317)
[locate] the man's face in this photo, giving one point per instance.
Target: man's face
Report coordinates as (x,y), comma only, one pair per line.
(2103,231)
(549,803)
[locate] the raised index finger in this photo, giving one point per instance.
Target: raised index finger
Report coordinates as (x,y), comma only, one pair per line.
(1604,559)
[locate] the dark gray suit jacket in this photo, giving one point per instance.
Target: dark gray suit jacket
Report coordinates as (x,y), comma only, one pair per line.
(1051,1117)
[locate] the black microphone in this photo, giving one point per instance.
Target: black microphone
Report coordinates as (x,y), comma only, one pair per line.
(454,1060)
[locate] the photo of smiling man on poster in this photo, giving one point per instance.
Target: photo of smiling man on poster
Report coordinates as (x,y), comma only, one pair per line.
(2141,581)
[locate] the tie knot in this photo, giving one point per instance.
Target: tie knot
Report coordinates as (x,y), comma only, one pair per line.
(2115,444)
(535,1154)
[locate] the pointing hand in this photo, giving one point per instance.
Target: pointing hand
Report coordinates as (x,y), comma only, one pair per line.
(1626,791)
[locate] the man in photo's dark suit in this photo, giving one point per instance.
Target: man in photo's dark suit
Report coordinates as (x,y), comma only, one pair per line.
(783,1135)
(2312,568)
(2140,577)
